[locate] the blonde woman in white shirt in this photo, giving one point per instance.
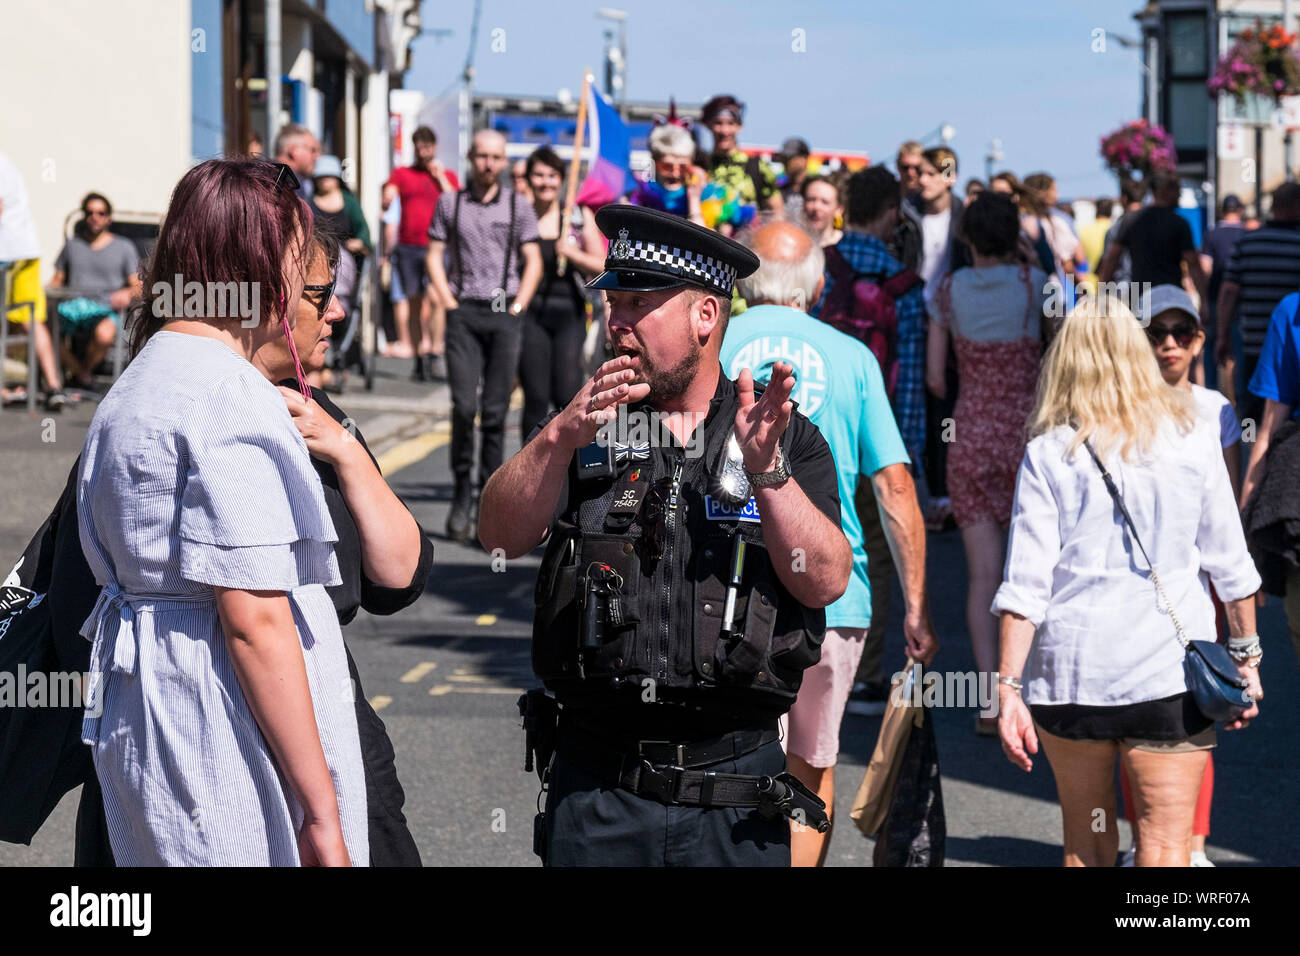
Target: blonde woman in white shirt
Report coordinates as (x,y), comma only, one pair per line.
(1083,636)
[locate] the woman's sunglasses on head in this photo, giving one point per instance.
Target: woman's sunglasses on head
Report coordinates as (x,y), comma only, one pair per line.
(285,176)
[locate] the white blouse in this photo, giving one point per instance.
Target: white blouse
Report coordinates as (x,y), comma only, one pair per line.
(1072,568)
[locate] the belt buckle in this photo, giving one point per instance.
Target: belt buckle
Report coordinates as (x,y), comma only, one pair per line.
(641,745)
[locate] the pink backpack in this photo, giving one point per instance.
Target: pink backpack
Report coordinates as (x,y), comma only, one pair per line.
(861,305)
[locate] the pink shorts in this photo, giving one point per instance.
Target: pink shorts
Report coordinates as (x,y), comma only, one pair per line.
(813,725)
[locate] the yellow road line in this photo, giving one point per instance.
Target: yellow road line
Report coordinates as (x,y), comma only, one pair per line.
(380,701)
(485,690)
(437,690)
(485,620)
(416,672)
(470,678)
(407,453)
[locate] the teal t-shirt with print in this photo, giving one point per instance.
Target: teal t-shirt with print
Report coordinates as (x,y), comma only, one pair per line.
(839,387)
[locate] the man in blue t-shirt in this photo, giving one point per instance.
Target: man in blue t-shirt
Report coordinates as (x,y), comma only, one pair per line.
(840,388)
(1277,381)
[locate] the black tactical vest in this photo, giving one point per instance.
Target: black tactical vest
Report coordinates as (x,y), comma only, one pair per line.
(615,623)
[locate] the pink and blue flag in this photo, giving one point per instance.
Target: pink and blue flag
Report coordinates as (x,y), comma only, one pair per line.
(609,176)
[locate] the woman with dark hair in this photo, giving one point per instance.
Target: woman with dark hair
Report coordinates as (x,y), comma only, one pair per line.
(823,204)
(550,362)
(220,720)
(384,558)
(992,311)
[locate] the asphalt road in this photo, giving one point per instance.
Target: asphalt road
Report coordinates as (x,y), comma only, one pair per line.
(444,676)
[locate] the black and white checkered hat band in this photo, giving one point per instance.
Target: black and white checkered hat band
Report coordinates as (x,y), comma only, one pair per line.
(704,270)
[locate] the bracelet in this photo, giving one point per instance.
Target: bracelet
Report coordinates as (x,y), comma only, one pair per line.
(1245,641)
(1012,682)
(1242,652)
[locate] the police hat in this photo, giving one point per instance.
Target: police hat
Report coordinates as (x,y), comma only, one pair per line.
(651,250)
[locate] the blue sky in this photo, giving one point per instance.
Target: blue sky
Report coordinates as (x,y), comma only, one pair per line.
(875,72)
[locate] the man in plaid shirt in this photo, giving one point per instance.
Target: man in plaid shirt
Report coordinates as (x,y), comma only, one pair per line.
(871,215)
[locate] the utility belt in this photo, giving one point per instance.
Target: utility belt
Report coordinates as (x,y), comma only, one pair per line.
(669,772)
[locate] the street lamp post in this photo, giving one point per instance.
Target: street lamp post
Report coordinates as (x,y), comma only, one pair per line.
(994,155)
(615,57)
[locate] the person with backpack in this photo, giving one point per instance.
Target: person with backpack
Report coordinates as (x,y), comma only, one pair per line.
(873,297)
(991,312)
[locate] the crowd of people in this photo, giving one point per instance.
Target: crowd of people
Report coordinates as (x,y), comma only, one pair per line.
(920,331)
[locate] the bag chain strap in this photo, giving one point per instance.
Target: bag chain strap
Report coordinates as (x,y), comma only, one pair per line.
(1119,501)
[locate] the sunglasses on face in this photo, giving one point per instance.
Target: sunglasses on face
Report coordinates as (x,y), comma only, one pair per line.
(673,169)
(909,168)
(98,213)
(325,292)
(1184,333)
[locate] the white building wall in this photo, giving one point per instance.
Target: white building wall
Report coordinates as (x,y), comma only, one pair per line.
(85,105)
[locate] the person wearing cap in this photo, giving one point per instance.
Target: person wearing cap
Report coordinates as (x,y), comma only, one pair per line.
(729,165)
(691,547)
(793,156)
(1174,327)
(1217,247)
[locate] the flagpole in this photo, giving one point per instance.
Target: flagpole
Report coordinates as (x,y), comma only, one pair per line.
(561,262)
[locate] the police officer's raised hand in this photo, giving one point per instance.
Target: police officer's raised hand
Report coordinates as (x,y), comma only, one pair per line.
(760,423)
(597,402)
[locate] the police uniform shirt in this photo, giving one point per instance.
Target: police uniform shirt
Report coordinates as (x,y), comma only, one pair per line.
(808,457)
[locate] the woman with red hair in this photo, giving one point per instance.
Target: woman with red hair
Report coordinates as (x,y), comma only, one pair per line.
(220,718)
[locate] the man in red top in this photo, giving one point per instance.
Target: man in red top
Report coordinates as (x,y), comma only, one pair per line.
(418,187)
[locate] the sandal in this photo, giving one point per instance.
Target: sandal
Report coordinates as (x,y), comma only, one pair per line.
(55,400)
(13,396)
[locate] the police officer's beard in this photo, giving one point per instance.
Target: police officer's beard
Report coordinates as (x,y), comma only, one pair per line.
(668,384)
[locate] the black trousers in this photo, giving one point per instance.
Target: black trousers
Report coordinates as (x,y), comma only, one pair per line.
(550,364)
(391,843)
(589,823)
(482,351)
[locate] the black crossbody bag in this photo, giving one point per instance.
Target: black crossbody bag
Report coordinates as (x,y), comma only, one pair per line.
(1215,683)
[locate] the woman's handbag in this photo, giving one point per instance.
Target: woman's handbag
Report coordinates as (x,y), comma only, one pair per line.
(1215,683)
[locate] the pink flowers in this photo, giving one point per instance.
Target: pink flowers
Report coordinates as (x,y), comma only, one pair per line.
(1262,61)
(1139,147)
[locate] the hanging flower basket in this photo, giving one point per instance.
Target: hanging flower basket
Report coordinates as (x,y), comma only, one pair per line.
(1263,62)
(1138,149)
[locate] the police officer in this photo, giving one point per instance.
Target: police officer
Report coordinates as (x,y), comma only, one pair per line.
(693,539)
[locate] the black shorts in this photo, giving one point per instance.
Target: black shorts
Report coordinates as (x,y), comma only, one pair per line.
(1168,718)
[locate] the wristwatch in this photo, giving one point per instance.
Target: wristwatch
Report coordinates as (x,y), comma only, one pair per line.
(769,479)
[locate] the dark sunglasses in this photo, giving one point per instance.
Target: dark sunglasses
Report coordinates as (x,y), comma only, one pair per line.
(909,167)
(653,515)
(286,176)
(1184,333)
(326,293)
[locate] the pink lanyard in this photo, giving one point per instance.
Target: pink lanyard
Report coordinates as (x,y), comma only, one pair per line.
(293,350)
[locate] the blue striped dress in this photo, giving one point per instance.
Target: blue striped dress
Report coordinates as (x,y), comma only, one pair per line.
(193,476)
